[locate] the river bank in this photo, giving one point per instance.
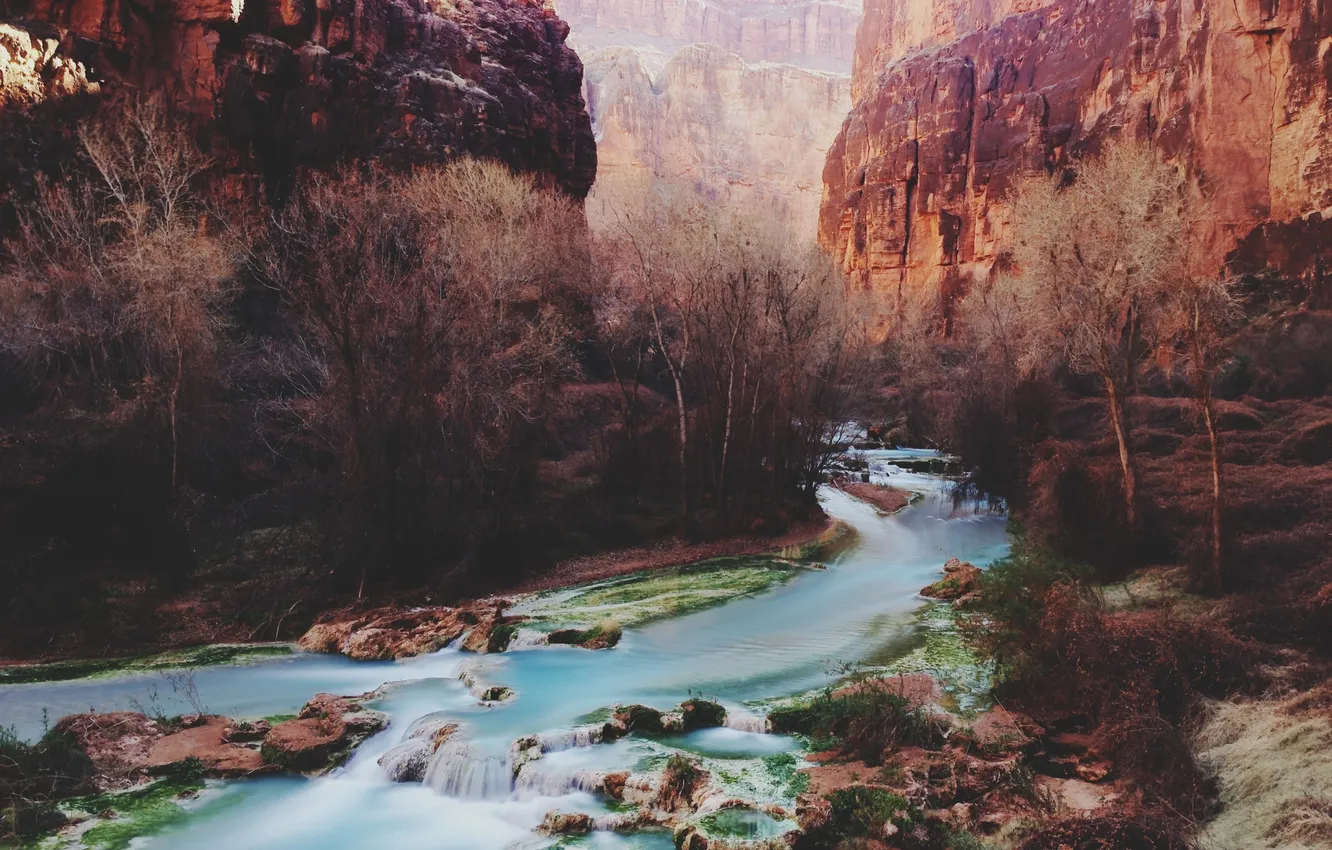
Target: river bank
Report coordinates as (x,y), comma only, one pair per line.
(199,618)
(741,646)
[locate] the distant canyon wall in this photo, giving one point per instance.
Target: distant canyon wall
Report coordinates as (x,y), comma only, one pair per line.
(742,134)
(955,100)
(817,32)
(738,99)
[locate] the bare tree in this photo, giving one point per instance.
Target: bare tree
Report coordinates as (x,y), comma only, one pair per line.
(1090,258)
(118,275)
(438,302)
(757,339)
(1195,322)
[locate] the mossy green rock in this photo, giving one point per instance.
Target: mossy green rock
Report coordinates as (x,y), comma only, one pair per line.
(702,714)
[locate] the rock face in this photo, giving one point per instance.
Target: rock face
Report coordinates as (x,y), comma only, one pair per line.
(814,33)
(281,84)
(955,99)
(737,99)
(752,136)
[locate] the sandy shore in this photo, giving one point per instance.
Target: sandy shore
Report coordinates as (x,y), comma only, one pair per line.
(890,500)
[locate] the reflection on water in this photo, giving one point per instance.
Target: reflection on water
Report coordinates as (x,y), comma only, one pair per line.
(784,641)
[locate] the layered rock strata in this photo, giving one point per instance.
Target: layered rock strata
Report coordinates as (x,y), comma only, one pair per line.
(955,100)
(281,84)
(752,136)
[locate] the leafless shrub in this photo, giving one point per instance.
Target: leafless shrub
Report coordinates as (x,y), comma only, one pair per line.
(439,303)
(117,278)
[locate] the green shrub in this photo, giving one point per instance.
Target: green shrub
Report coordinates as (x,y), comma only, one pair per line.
(1004,619)
(782,768)
(866,718)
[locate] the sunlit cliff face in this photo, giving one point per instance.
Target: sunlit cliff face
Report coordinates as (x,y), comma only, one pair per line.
(737,99)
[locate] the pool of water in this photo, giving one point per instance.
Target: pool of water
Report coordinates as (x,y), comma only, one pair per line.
(787,640)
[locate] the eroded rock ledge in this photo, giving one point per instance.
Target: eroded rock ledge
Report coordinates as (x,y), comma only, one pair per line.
(127,748)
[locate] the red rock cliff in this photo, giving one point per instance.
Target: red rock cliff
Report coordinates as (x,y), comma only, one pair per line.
(956,98)
(286,83)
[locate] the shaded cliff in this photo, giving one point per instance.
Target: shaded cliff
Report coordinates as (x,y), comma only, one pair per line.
(815,33)
(955,100)
(744,134)
(280,84)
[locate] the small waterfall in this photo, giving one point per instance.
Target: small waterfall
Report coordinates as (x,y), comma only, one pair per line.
(458,770)
(528,639)
(534,778)
(747,723)
(583,736)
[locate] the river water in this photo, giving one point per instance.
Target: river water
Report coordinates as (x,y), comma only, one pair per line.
(787,640)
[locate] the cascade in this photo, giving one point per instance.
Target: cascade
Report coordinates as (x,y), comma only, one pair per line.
(528,639)
(458,770)
(537,778)
(747,723)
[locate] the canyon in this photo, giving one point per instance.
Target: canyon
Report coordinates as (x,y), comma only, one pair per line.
(956,101)
(738,101)
(276,86)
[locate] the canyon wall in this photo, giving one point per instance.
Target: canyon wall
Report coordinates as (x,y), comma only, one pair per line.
(814,33)
(742,134)
(678,96)
(955,100)
(280,84)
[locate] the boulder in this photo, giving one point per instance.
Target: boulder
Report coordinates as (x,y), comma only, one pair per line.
(561,823)
(126,748)
(208,743)
(323,736)
(960,581)
(702,714)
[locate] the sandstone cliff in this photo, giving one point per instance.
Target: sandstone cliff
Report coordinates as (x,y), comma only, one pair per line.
(814,33)
(280,84)
(745,134)
(739,99)
(955,99)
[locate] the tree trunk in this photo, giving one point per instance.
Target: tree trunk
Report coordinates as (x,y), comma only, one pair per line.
(171,412)
(680,408)
(1119,420)
(1218,492)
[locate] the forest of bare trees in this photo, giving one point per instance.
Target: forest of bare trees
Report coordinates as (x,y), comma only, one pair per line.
(385,373)
(765,353)
(1095,289)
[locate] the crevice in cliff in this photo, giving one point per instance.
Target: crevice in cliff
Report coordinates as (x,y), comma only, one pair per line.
(909,213)
(967,230)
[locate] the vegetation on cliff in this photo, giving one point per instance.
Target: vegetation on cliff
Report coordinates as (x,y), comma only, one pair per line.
(1120,404)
